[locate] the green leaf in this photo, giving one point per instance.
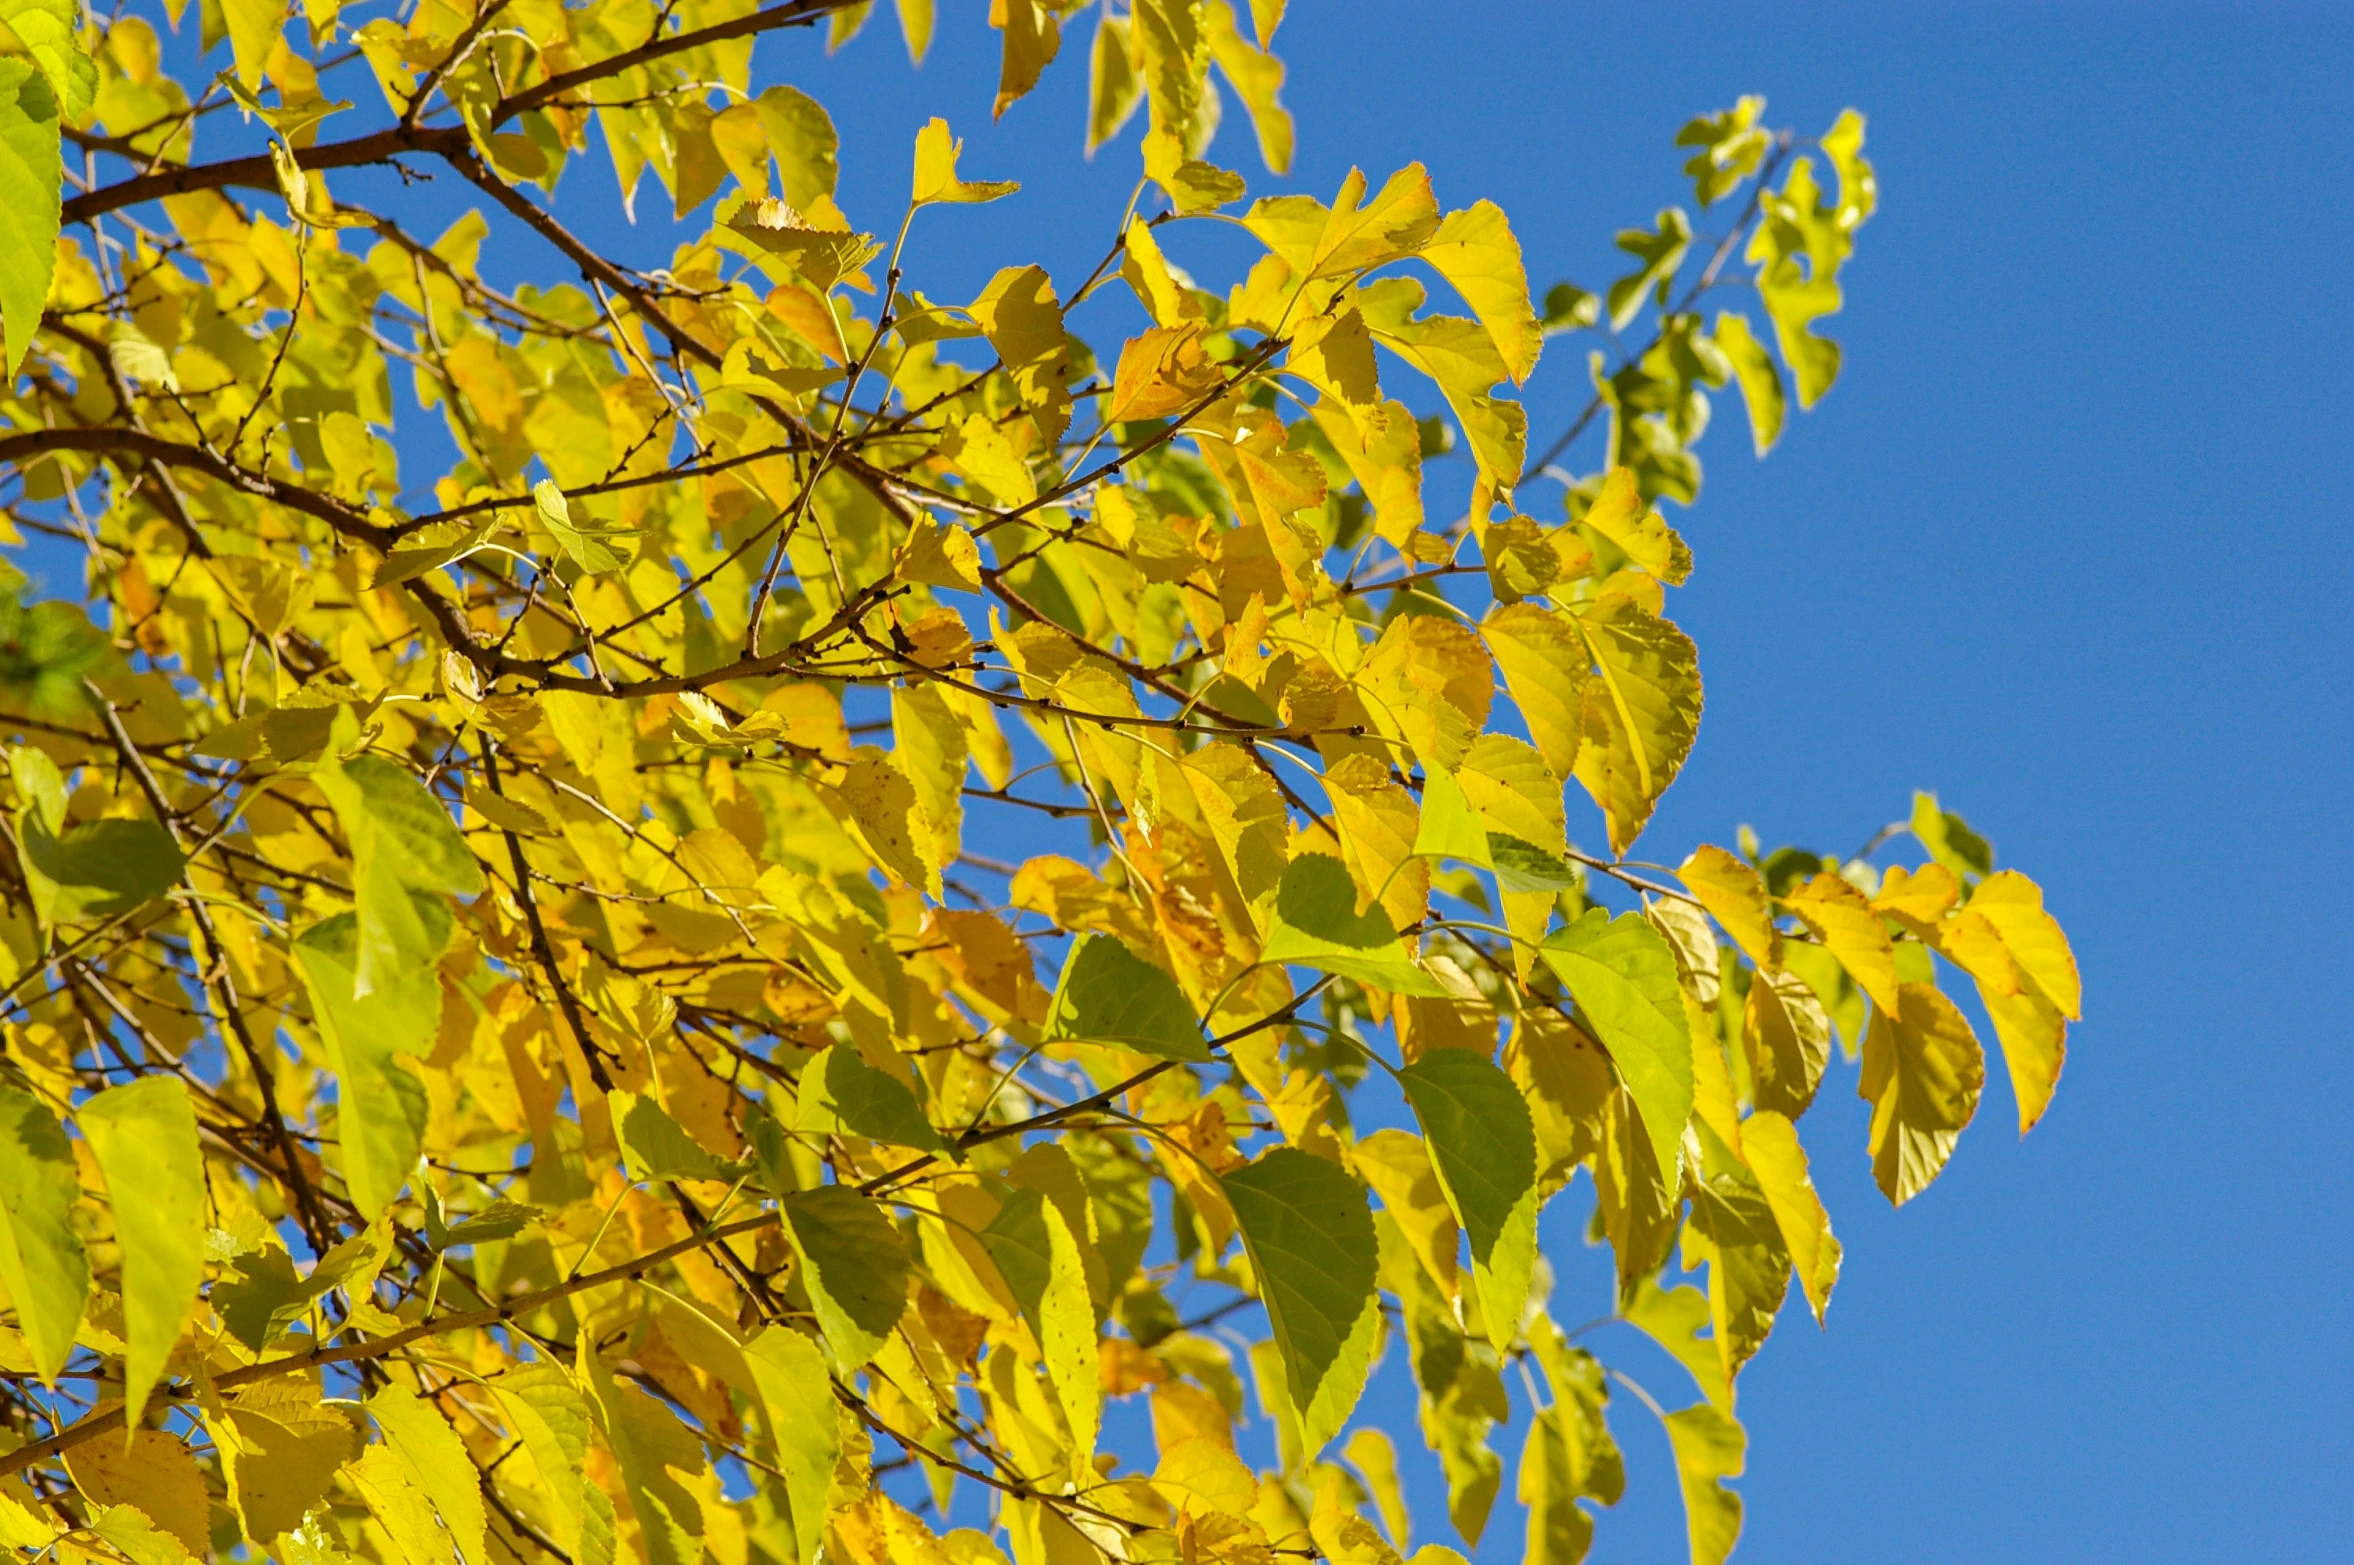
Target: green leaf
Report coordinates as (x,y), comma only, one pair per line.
(589,545)
(1622,973)
(1483,1144)
(1710,1448)
(1949,839)
(431,547)
(1660,252)
(31,173)
(1308,1229)
(41,1256)
(1317,925)
(406,854)
(501,1219)
(438,1461)
(797,1400)
(143,1135)
(380,1104)
(841,1092)
(97,869)
(655,1147)
(1108,994)
(264,1295)
(853,1265)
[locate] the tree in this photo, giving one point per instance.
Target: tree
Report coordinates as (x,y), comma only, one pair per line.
(515,1051)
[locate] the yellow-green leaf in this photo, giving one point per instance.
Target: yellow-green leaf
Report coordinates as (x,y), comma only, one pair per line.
(855,1266)
(1623,976)
(41,1256)
(1108,994)
(1309,1232)
(1483,1146)
(1710,1447)
(380,1103)
(143,1135)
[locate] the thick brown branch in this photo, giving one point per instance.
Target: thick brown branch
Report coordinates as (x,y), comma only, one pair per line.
(258,172)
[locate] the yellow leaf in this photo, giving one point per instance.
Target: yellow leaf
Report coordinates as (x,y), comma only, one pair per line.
(1033,36)
(1641,711)
(882,805)
(1257,77)
(1735,896)
(2013,905)
(1850,930)
(1023,321)
(1164,371)
(154,1473)
(1922,1076)
(1397,1167)
(1769,1144)
(1787,1039)
(936,180)
(1621,514)
(1474,250)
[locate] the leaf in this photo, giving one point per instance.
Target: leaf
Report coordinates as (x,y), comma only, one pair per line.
(855,1267)
(1769,1143)
(1309,1233)
(152,1473)
(655,1147)
(1642,711)
(1922,1075)
(1843,920)
(549,1418)
(1661,252)
(1474,250)
(1162,372)
(1257,77)
(841,1092)
(1622,974)
(1675,1318)
(1038,1254)
(47,31)
(437,1461)
(143,1135)
(1544,663)
(1787,1039)
(1396,1165)
(1733,1230)
(1949,840)
(1376,1460)
(97,869)
(41,1256)
(2013,905)
(651,1448)
(31,173)
(1735,896)
(1033,36)
(380,1103)
(1754,371)
(1483,1145)
(254,27)
(1621,514)
(283,1445)
(590,545)
(406,854)
(1108,994)
(797,1404)
(1710,1447)
(936,152)
(1113,87)
(1316,924)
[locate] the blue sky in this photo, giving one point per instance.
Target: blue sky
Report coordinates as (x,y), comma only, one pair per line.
(2066,544)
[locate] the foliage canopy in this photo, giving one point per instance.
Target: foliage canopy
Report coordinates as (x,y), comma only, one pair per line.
(515,1051)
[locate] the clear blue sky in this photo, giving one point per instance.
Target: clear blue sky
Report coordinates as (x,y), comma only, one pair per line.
(2067,544)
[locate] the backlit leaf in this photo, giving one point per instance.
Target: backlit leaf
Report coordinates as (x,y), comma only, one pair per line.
(855,1267)
(1309,1233)
(1107,994)
(1922,1075)
(1317,924)
(41,1256)
(143,1135)
(1623,976)
(1484,1147)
